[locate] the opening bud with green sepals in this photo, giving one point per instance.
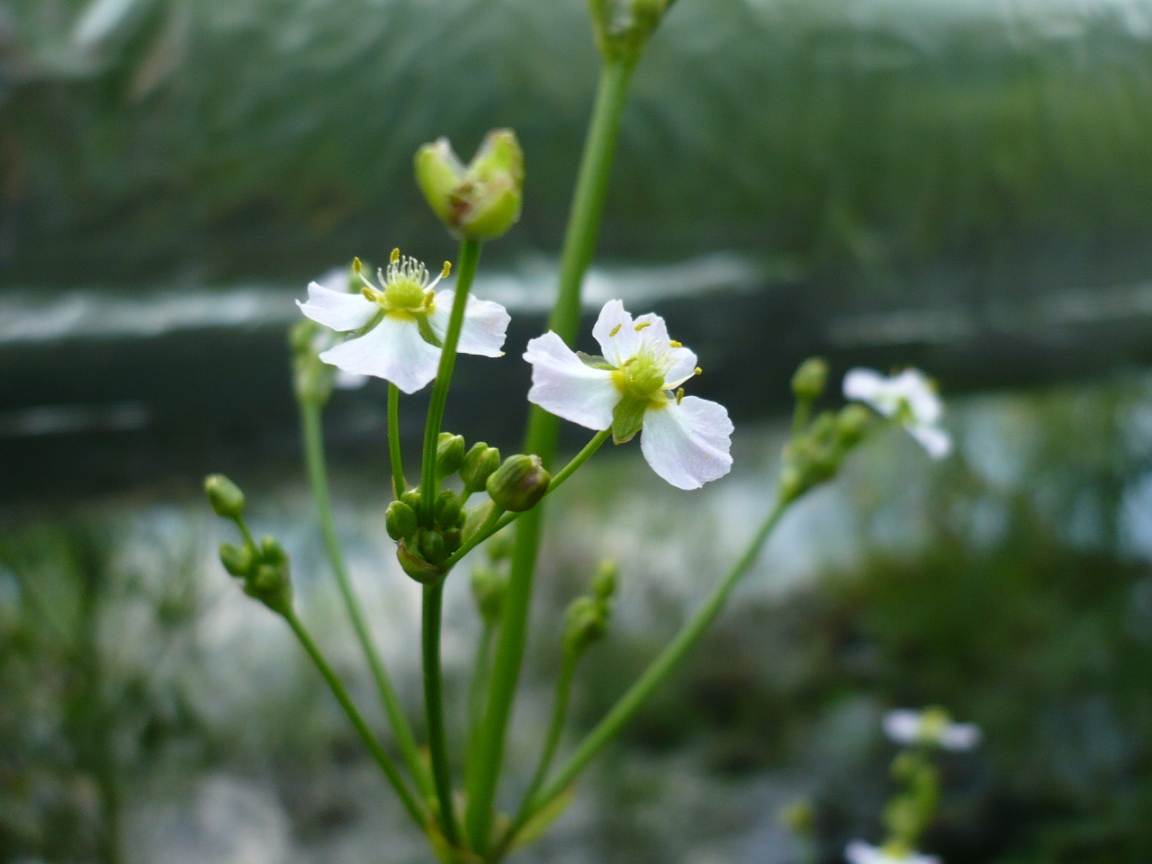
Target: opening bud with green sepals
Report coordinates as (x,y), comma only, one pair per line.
(400,520)
(479,463)
(623,27)
(224,496)
(810,379)
(489,586)
(237,560)
(519,483)
(450,452)
(480,201)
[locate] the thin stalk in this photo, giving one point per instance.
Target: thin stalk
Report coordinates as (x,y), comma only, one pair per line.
(434,704)
(493,525)
(543,430)
(374,747)
(310,421)
(478,690)
(653,676)
(429,479)
(555,731)
(399,484)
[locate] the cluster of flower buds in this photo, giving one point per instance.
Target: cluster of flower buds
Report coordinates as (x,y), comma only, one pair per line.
(263,566)
(480,200)
(587,616)
(818,448)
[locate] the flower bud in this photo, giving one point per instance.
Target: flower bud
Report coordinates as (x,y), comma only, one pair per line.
(604,582)
(237,560)
(448,510)
(489,587)
(478,466)
(623,27)
(432,547)
(416,566)
(449,453)
(271,585)
(400,520)
(271,552)
(851,424)
(810,379)
(480,201)
(519,483)
(412,499)
(224,496)
(584,623)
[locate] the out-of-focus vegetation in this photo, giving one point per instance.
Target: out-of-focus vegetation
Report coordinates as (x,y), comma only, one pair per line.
(926,146)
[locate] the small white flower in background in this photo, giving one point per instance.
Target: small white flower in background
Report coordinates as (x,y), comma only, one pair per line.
(932,726)
(336,280)
(398,327)
(910,398)
(634,387)
(859,852)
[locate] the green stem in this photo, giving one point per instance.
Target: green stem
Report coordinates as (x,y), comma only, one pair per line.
(310,420)
(399,484)
(374,747)
(555,731)
(434,704)
(478,690)
(543,430)
(429,480)
(492,526)
(654,675)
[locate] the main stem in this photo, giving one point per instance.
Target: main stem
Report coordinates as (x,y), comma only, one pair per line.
(543,430)
(429,480)
(654,675)
(361,725)
(310,420)
(434,704)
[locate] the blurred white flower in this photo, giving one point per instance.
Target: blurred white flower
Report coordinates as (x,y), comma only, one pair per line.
(931,726)
(685,439)
(859,852)
(399,326)
(910,398)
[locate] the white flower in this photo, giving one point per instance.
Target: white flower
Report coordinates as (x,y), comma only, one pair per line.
(859,852)
(932,726)
(910,398)
(399,327)
(686,440)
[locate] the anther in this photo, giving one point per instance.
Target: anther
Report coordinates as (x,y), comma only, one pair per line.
(395,256)
(672,343)
(697,371)
(356,266)
(642,325)
(679,395)
(615,330)
(447,269)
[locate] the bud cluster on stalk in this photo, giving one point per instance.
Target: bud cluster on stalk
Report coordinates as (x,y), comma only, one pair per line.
(263,567)
(818,447)
(586,619)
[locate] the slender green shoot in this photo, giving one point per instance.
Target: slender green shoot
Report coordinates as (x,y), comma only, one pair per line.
(399,484)
(434,704)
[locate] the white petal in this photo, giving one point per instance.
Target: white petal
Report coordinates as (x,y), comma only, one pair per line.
(336,309)
(902,726)
(392,350)
(688,444)
(915,388)
(616,333)
(349,380)
(935,440)
(567,387)
(683,367)
(866,385)
(485,324)
(859,852)
(960,736)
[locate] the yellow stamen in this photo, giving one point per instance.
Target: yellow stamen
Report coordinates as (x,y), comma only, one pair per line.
(447,269)
(679,395)
(615,330)
(642,325)
(697,371)
(395,256)
(429,298)
(356,266)
(369,293)
(672,343)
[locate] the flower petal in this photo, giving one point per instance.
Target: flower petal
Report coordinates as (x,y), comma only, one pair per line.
(935,440)
(916,388)
(485,324)
(902,725)
(688,444)
(336,309)
(683,367)
(564,385)
(960,736)
(866,385)
(392,350)
(616,333)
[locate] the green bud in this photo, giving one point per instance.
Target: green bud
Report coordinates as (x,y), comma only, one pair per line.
(400,520)
(237,560)
(489,587)
(499,546)
(432,547)
(810,379)
(271,552)
(412,499)
(452,538)
(519,483)
(271,585)
(851,424)
(448,512)
(416,566)
(604,582)
(478,466)
(585,621)
(224,496)
(450,451)
(623,27)
(480,201)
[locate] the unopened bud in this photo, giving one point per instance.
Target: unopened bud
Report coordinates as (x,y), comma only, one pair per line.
(412,499)
(400,520)
(237,560)
(432,547)
(810,379)
(489,587)
(623,27)
(604,582)
(271,586)
(416,566)
(480,201)
(479,463)
(584,623)
(448,510)
(450,451)
(851,424)
(224,496)
(271,552)
(519,483)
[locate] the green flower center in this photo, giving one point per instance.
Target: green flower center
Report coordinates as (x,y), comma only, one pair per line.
(642,378)
(404,295)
